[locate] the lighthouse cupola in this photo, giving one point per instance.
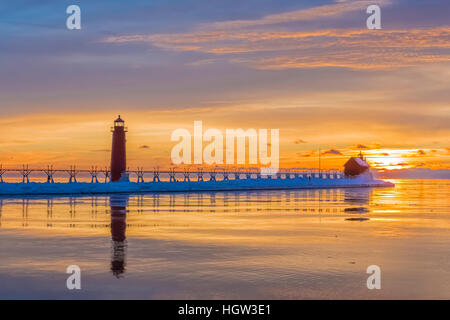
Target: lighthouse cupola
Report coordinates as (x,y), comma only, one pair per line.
(119,122)
(118,151)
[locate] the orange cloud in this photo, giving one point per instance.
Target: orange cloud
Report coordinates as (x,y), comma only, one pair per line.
(307,154)
(349,48)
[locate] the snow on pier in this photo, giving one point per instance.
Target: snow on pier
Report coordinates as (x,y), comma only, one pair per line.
(181,181)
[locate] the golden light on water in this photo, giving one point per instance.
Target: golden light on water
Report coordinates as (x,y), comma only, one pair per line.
(272,241)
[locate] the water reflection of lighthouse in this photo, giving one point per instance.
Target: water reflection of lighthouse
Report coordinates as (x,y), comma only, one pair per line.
(118,204)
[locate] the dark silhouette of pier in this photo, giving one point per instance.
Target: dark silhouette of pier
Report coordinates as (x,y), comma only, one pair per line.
(140,175)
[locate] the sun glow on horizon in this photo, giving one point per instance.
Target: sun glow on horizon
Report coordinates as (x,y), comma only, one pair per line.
(395,159)
(84,140)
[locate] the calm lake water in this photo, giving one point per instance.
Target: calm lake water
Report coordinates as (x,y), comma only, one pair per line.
(306,244)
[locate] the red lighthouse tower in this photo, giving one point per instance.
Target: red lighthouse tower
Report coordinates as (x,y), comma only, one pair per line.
(118,152)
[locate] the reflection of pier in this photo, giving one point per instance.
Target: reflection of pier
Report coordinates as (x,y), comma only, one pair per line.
(25,203)
(230,201)
(358,196)
(173,175)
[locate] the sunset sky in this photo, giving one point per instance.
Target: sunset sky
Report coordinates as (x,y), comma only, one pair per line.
(309,68)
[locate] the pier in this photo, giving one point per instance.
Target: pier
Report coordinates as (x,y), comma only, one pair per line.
(140,175)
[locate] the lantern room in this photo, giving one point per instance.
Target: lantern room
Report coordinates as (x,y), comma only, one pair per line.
(119,122)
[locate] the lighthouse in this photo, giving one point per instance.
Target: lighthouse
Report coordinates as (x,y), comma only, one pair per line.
(118,152)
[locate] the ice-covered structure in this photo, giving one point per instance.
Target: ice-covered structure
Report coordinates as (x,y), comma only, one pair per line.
(280,182)
(356,166)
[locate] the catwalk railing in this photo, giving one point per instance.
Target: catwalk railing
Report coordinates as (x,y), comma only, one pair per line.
(172,175)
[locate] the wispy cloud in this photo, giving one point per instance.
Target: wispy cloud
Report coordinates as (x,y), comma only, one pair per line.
(324,11)
(275,50)
(361,146)
(270,43)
